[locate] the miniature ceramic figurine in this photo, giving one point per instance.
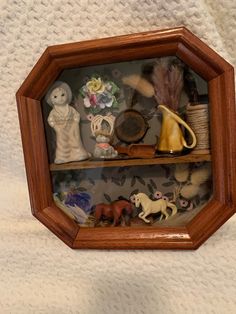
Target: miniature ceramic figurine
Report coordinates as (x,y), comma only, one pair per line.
(152,207)
(167,78)
(171,138)
(113,211)
(99,95)
(103,149)
(102,129)
(64,119)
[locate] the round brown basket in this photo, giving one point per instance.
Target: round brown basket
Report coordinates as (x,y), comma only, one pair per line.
(130,126)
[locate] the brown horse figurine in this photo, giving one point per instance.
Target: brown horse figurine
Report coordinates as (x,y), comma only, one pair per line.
(113,211)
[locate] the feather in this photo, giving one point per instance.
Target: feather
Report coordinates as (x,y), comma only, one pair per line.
(189,191)
(200,175)
(181,172)
(167,78)
(140,84)
(160,80)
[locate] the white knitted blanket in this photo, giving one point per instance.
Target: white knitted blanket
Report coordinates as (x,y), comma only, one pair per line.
(38,273)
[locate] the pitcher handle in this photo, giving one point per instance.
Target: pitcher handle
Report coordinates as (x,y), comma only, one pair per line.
(182,122)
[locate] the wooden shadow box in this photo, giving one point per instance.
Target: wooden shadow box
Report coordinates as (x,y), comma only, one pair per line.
(106,180)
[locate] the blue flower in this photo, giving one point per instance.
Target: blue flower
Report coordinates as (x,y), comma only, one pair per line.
(81,200)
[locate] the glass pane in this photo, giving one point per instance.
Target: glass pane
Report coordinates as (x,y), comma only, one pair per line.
(130,131)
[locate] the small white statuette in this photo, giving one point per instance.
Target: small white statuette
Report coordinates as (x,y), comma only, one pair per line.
(64,119)
(102,128)
(152,207)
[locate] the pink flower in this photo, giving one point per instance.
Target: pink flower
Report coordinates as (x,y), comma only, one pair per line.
(190,206)
(165,198)
(157,195)
(93,100)
(183,203)
(90,117)
(187,205)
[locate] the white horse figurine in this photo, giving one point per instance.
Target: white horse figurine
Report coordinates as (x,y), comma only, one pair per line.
(152,207)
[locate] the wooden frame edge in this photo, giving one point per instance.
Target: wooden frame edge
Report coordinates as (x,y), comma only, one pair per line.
(46,217)
(47,69)
(139,238)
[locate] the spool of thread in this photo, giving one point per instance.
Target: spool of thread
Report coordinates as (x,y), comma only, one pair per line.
(197,117)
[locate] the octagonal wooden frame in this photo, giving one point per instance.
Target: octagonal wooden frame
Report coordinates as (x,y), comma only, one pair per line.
(208,64)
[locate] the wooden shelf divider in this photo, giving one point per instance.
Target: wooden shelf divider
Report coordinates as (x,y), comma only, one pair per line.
(91,164)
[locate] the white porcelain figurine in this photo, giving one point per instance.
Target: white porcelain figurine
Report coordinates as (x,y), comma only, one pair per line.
(102,128)
(64,119)
(152,207)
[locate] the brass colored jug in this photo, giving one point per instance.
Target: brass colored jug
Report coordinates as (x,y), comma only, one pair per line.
(171,137)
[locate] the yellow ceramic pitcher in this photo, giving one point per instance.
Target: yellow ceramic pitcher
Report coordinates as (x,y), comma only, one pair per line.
(171,137)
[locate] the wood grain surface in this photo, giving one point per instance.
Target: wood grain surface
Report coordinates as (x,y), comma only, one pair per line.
(87,164)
